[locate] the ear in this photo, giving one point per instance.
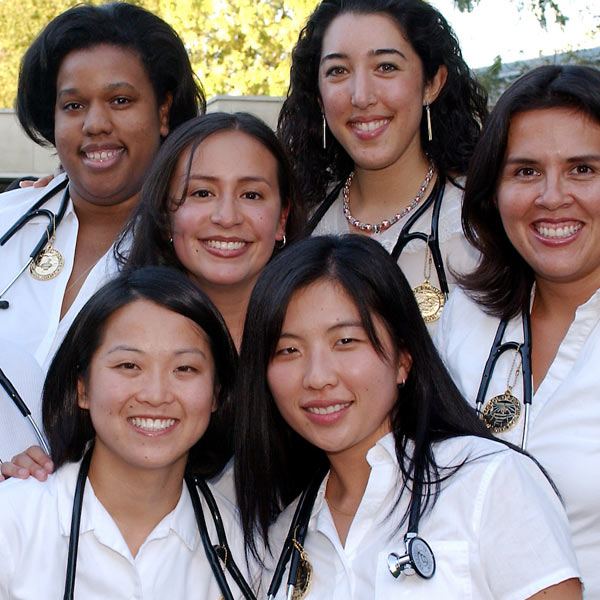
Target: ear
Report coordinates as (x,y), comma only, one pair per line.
(404,366)
(164,111)
(82,400)
(435,86)
(283,217)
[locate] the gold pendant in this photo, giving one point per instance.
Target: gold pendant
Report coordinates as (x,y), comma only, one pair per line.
(430,301)
(303,578)
(502,412)
(47,265)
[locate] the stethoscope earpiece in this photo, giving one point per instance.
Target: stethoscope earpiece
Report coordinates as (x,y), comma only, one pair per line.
(418,559)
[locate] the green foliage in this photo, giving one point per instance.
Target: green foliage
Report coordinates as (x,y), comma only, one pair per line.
(237,47)
(539,8)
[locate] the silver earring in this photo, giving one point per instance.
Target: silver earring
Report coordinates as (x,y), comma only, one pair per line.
(429,132)
(401,385)
(170,240)
(324,132)
(280,244)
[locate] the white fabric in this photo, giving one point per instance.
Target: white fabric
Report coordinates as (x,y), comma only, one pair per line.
(457,253)
(497,531)
(27,377)
(564,433)
(35,523)
(33,318)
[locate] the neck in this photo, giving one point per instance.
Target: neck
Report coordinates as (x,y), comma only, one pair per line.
(553,298)
(384,192)
(137,499)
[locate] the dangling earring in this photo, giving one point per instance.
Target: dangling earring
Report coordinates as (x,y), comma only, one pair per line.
(324,132)
(281,243)
(429,132)
(401,385)
(170,240)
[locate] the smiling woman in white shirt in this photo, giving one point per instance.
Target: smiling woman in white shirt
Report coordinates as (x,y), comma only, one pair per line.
(343,399)
(129,410)
(532,208)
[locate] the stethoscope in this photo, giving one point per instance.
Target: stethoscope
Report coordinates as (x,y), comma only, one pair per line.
(11,391)
(417,559)
(405,236)
(524,350)
(54,221)
(216,553)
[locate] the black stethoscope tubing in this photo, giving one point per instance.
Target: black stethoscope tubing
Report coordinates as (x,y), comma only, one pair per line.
(299,527)
(405,235)
(193,484)
(36,210)
(524,349)
(12,393)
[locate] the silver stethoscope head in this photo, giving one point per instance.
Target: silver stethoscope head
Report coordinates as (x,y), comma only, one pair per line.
(418,559)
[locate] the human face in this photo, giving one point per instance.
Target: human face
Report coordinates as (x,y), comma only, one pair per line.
(328,381)
(107,124)
(149,390)
(225,230)
(549,195)
(373,91)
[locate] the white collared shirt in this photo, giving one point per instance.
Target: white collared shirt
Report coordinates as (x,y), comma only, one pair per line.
(35,520)
(497,531)
(564,432)
(33,317)
(457,253)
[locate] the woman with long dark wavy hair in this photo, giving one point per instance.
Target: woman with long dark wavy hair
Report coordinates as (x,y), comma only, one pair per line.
(381,118)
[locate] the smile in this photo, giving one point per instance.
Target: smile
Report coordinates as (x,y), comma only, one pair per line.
(315,410)
(152,425)
(222,245)
(369,125)
(553,232)
(103,155)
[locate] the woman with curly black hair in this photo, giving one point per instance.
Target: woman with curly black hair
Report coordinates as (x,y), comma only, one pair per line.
(381,119)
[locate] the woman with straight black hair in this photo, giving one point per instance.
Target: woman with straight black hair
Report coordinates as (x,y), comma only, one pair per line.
(521,337)
(381,118)
(338,374)
(135,404)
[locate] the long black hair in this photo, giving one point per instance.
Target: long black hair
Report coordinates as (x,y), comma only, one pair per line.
(456,114)
(502,281)
(69,427)
(150,223)
(120,24)
(273,463)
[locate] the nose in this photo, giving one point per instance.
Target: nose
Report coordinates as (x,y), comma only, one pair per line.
(226,212)
(554,192)
(154,388)
(363,92)
(320,371)
(97,119)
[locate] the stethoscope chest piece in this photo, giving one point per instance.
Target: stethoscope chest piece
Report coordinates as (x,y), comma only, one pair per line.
(418,559)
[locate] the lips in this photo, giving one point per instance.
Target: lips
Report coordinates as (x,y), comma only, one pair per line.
(327,410)
(225,245)
(151,425)
(368,126)
(555,231)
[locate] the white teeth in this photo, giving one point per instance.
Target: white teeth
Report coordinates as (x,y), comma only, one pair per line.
(557,232)
(369,125)
(152,424)
(218,245)
(102,155)
(328,410)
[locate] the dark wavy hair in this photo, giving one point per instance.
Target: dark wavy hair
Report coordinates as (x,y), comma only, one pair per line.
(276,463)
(456,114)
(69,428)
(502,281)
(116,24)
(150,224)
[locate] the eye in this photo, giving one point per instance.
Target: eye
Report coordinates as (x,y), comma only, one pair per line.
(186,369)
(583,170)
(526,172)
(252,195)
(121,101)
(71,106)
(201,193)
(346,341)
(387,68)
(335,71)
(287,351)
(127,366)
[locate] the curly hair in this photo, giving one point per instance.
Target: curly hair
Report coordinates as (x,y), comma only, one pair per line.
(459,112)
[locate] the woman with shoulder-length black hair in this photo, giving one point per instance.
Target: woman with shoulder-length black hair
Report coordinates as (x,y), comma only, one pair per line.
(135,404)
(338,374)
(531,209)
(381,118)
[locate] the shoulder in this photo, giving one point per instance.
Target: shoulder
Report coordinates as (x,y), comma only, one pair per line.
(19,200)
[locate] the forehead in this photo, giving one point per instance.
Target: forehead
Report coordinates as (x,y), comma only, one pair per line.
(358,33)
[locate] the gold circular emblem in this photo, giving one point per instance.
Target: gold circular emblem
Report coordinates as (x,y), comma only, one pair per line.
(303,579)
(47,265)
(502,412)
(430,301)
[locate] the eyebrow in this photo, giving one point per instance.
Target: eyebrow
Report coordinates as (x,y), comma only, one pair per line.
(126,348)
(518,160)
(245,179)
(378,52)
(110,87)
(342,324)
